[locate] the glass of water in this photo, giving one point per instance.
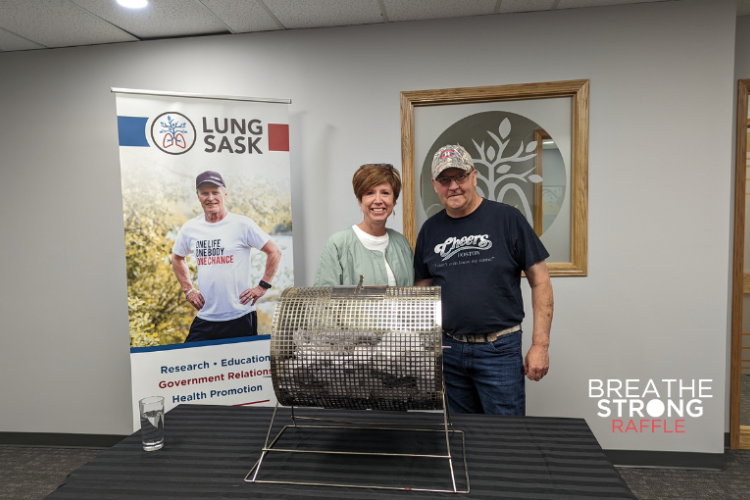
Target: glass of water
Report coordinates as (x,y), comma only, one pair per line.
(152,422)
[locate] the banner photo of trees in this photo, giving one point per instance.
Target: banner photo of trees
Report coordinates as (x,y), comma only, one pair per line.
(165,142)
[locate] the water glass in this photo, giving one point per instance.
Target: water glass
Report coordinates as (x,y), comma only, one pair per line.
(152,422)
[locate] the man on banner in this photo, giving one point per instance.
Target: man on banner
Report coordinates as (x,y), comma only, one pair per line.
(222,243)
(475,250)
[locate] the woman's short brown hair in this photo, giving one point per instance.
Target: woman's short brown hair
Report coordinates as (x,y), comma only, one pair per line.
(373,174)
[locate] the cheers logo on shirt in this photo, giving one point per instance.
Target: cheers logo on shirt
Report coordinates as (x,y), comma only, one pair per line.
(453,245)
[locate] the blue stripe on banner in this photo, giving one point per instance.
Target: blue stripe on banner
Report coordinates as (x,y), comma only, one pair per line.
(237,340)
(132,131)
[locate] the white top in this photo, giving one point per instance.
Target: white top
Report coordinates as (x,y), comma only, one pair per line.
(379,243)
(222,250)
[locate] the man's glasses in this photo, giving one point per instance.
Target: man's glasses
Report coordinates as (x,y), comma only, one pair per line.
(460,178)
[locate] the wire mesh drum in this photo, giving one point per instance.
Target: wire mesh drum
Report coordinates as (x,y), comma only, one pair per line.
(358,348)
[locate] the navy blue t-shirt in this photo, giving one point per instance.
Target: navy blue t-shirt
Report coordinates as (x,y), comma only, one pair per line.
(477,260)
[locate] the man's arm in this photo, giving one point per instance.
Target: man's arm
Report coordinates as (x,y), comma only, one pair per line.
(542,302)
(272,260)
(420,269)
(181,271)
(273,257)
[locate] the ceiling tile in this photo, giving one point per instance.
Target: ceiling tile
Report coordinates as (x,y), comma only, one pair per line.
(413,10)
(242,15)
(10,42)
(510,6)
(161,18)
(575,4)
(320,13)
(57,23)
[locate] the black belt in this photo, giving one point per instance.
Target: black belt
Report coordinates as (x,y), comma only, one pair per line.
(483,337)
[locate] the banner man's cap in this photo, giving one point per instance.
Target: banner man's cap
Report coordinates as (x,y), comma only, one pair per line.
(210,177)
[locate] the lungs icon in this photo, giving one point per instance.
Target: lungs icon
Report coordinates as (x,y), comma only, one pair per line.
(174,140)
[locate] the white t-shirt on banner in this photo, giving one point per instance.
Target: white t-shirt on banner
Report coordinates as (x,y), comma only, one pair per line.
(222,250)
(379,243)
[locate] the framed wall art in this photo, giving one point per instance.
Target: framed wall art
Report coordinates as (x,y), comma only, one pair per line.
(529,143)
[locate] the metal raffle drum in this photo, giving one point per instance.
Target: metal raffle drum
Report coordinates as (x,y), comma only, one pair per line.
(358,348)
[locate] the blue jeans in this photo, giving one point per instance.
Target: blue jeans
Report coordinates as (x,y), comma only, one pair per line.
(486,377)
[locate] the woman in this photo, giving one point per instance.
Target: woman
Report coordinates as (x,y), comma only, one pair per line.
(381,255)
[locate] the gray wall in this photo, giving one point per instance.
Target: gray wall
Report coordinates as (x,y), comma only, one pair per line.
(655,303)
(742,49)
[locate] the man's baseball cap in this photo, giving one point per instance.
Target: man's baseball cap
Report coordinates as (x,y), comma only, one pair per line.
(451,157)
(211,177)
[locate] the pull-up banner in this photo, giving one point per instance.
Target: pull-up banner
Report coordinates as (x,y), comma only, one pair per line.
(166,141)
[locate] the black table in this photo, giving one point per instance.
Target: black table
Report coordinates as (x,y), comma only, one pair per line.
(210,449)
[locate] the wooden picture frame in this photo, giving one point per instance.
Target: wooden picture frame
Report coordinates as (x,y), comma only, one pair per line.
(739,435)
(577,90)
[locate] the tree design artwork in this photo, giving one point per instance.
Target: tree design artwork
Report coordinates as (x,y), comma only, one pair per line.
(173,131)
(499,168)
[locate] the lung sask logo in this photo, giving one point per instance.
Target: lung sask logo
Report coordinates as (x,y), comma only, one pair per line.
(173,133)
(453,245)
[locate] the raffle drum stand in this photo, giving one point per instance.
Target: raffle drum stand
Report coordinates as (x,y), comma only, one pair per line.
(359,348)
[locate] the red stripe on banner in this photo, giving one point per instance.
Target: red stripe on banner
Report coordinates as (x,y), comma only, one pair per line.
(253,403)
(278,137)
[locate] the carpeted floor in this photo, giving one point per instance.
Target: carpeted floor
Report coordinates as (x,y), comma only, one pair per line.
(32,473)
(733,483)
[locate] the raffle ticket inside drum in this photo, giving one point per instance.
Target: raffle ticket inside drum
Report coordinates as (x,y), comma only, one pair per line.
(358,348)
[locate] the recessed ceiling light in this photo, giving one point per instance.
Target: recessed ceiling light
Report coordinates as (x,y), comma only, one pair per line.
(133,4)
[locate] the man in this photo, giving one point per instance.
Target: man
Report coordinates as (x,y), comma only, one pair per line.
(222,242)
(475,250)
